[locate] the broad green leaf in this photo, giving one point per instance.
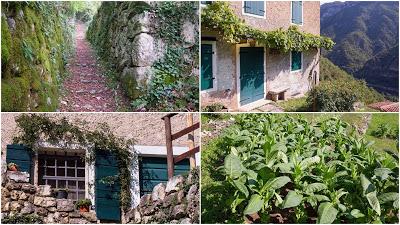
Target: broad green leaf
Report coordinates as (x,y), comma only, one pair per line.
(388,197)
(242,187)
(374,202)
(276,183)
(278,198)
(342,207)
(382,173)
(315,187)
(255,204)
(321,198)
(233,166)
(234,151)
(309,161)
(251,174)
(292,199)
(326,213)
(370,194)
(356,213)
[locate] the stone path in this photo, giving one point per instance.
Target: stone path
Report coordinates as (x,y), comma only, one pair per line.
(86,89)
(270,107)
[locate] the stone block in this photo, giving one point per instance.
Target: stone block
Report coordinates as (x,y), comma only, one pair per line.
(90,216)
(65,205)
(143,50)
(175,183)
(18,176)
(28,208)
(170,199)
(41,211)
(179,211)
(44,190)
(5,206)
(14,195)
(189,34)
(77,221)
(192,193)
(145,200)
(15,206)
(29,188)
(158,192)
(185,221)
(44,201)
(23,196)
(13,186)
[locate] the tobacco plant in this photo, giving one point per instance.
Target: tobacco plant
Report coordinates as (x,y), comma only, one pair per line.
(312,173)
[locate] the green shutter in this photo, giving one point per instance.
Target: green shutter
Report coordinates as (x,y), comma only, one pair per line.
(254,7)
(207,76)
(251,74)
(296,61)
(153,170)
(107,195)
(297,12)
(22,156)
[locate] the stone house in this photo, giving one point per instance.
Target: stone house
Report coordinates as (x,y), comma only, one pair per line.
(247,75)
(66,166)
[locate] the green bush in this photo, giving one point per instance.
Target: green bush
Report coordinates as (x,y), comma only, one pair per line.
(22,219)
(332,97)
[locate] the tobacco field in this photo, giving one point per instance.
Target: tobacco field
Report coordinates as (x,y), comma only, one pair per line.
(286,169)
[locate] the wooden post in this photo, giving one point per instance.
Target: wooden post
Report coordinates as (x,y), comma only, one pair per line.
(191,140)
(168,139)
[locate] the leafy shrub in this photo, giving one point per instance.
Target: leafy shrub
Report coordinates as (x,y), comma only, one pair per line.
(385,131)
(322,172)
(216,107)
(22,219)
(332,97)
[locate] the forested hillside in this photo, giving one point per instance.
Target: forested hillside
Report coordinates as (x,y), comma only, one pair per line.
(366,34)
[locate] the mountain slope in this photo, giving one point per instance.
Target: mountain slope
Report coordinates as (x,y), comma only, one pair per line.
(365,34)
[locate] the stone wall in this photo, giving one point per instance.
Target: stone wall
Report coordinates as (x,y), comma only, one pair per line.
(34,46)
(126,33)
(20,198)
(176,202)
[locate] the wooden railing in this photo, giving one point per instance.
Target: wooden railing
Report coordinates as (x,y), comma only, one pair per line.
(169,137)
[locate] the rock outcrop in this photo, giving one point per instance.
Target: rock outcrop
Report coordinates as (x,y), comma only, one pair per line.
(174,202)
(23,202)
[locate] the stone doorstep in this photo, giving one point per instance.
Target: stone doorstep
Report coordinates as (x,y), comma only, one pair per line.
(254,105)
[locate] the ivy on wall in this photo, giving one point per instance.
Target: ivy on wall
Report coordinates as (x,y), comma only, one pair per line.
(39,127)
(220,16)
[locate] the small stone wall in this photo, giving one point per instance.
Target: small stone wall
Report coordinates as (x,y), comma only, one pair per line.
(20,198)
(176,202)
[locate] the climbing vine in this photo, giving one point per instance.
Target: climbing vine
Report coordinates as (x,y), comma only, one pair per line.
(221,17)
(174,86)
(34,128)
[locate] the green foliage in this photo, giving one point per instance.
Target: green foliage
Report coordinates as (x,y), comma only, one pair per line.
(385,131)
(83,203)
(299,169)
(22,219)
(174,86)
(35,55)
(215,107)
(221,17)
(35,127)
(334,96)
(338,90)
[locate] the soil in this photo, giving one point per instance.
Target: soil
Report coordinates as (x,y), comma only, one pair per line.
(86,88)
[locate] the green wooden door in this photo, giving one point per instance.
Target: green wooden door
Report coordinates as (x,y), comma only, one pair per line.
(107,193)
(153,170)
(206,66)
(22,156)
(251,74)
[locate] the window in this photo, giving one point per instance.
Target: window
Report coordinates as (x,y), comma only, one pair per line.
(206,2)
(208,65)
(296,61)
(297,12)
(63,172)
(254,8)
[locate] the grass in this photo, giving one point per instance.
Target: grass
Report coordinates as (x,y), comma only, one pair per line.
(392,119)
(295,105)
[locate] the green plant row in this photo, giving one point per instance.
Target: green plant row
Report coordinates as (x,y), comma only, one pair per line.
(37,127)
(310,173)
(221,17)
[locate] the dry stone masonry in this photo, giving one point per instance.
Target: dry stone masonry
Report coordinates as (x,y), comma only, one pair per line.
(175,202)
(19,198)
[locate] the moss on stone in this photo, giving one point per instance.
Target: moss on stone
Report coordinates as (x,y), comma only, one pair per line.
(129,84)
(14,94)
(5,41)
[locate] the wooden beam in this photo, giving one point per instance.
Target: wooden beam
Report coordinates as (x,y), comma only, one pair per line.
(185,131)
(168,142)
(186,154)
(192,159)
(169,115)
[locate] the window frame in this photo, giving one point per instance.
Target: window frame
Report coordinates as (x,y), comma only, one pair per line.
(254,15)
(302,13)
(301,61)
(45,178)
(214,66)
